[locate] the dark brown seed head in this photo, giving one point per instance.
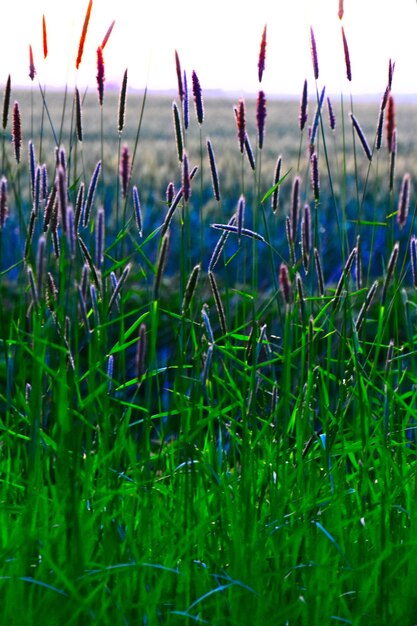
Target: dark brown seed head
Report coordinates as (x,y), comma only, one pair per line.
(240,121)
(213,170)
(277,176)
(391,68)
(190,289)
(6,102)
(347,56)
(179,76)
(61,183)
(122,103)
(178,131)
(295,207)
(78,115)
(390,270)
(303,107)
(17,131)
(361,137)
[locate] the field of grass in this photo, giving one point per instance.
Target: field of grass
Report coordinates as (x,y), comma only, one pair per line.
(207,406)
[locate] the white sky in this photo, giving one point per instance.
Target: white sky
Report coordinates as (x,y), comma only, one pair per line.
(219,39)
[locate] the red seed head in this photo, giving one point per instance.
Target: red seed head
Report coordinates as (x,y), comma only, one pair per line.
(341,10)
(83,35)
(262,54)
(44,38)
(100,74)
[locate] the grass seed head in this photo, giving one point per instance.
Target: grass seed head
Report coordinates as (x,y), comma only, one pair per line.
(32,70)
(100,75)
(198,98)
(44,38)
(261,117)
(303,117)
(262,55)
(6,102)
(17,131)
(314,57)
(83,35)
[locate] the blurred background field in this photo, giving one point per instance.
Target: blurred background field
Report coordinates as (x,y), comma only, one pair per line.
(360,189)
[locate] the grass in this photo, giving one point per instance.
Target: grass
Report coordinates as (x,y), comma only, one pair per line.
(196,427)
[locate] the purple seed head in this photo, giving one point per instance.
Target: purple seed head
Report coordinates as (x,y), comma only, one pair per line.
(170,193)
(261,117)
(186,186)
(125,169)
(315,179)
(404,201)
(390,122)
(314,57)
(262,55)
(284,283)
(4,210)
(332,118)
(347,56)
(198,98)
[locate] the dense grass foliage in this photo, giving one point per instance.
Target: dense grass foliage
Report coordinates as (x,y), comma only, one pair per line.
(207,406)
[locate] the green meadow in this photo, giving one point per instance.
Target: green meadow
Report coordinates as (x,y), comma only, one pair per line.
(208,373)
